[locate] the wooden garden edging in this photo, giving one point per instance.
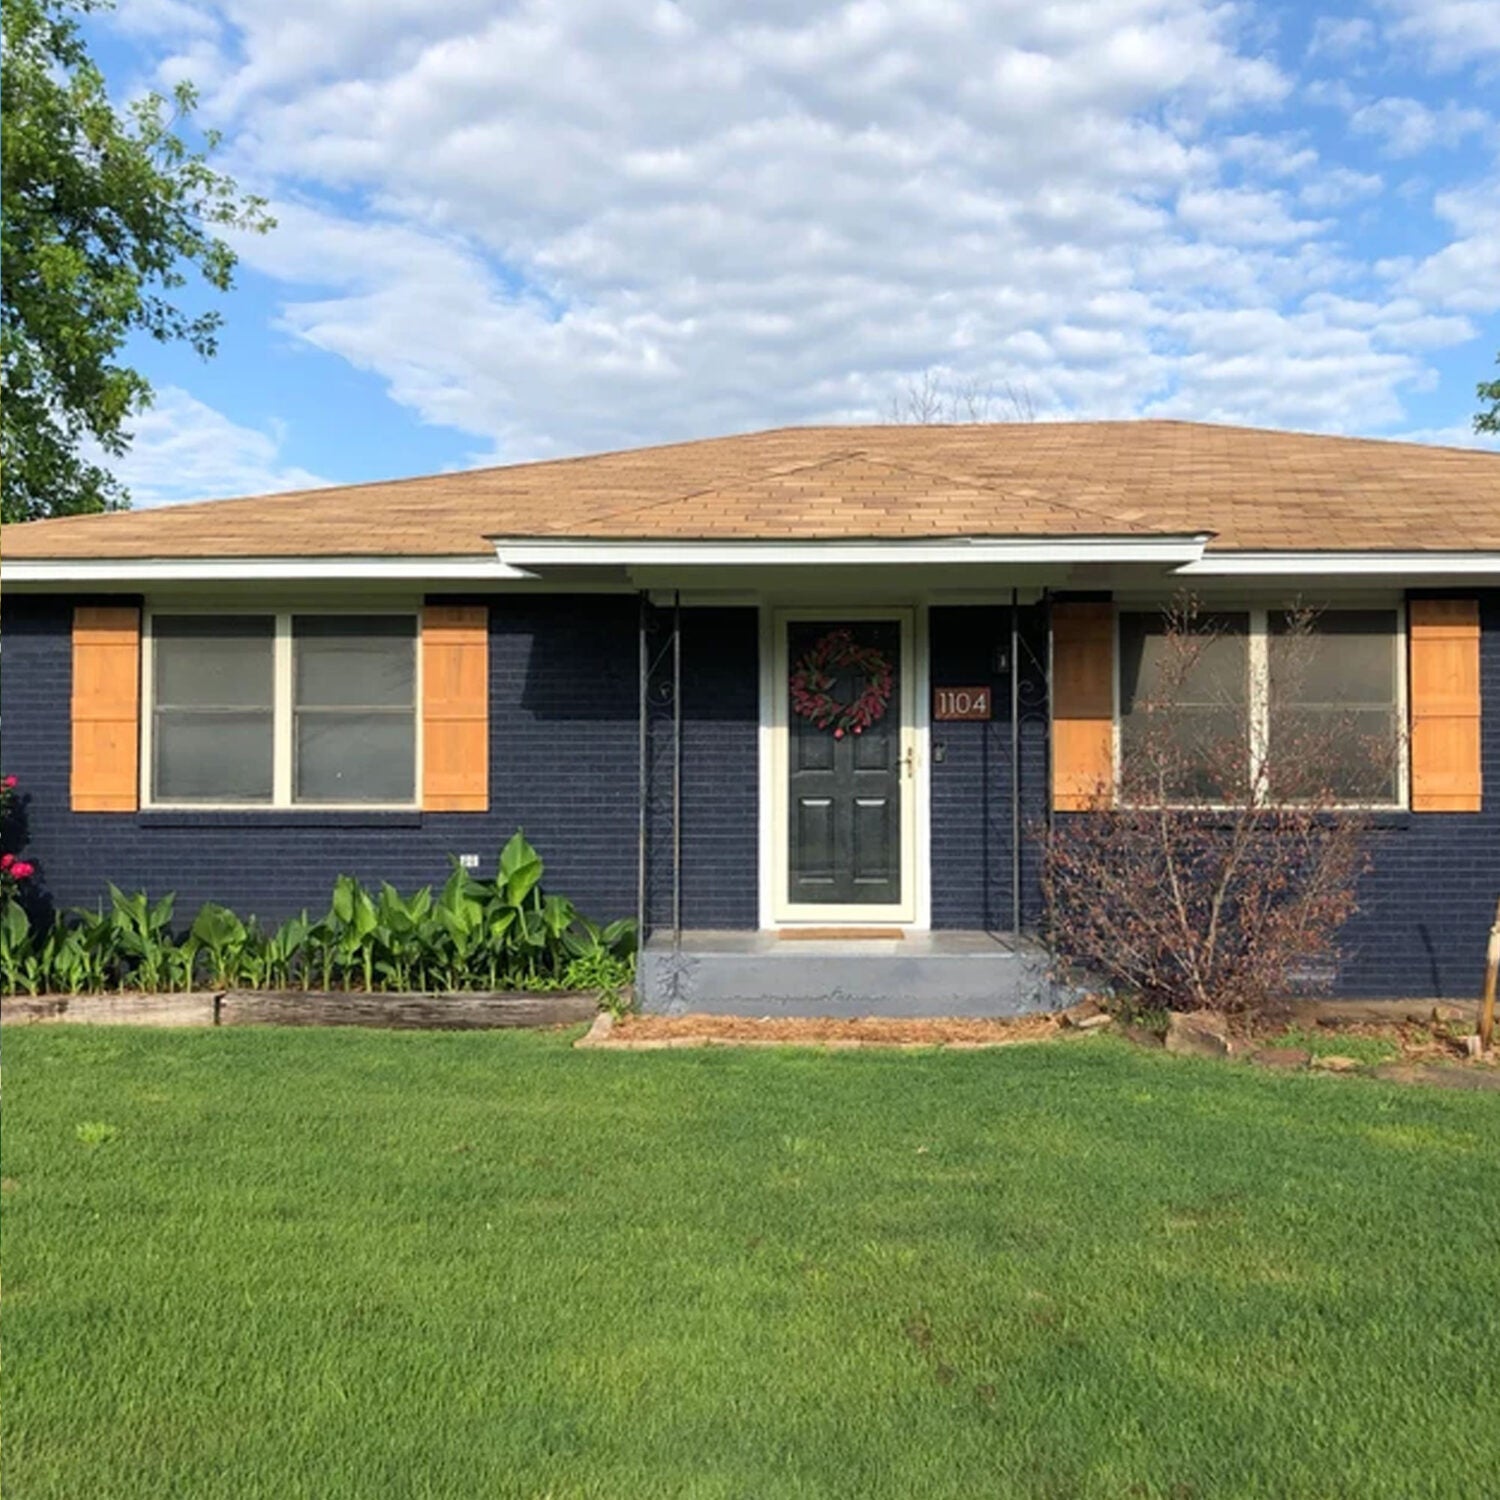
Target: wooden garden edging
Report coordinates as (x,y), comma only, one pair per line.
(457,1010)
(454,1010)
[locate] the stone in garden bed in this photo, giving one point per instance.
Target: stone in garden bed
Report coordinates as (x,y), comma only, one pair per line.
(1199,1033)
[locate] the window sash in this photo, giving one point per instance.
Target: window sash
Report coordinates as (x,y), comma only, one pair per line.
(284,714)
(1262,709)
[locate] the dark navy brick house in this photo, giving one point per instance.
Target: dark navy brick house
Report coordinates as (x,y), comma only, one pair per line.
(820,681)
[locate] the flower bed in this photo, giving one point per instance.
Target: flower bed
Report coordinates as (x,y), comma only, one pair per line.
(501,934)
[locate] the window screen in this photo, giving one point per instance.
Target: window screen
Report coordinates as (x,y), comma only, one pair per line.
(1184,710)
(1333,689)
(354,715)
(212,732)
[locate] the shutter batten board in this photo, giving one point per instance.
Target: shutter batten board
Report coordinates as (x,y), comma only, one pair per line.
(1083,705)
(1445,705)
(106,709)
(455,708)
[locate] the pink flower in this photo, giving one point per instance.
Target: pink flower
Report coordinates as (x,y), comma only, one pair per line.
(6,861)
(21,870)
(9,783)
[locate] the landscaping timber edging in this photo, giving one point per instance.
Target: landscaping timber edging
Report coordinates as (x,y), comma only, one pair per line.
(454,1010)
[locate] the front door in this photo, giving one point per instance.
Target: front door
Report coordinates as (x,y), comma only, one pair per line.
(846,807)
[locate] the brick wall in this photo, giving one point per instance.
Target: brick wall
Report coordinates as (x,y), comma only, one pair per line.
(1427,904)
(565,764)
(720,759)
(563,756)
(972,816)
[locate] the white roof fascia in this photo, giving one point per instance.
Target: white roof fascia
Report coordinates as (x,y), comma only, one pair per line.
(22,572)
(1167,551)
(1404,565)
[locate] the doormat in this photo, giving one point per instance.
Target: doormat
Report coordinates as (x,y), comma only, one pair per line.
(828,934)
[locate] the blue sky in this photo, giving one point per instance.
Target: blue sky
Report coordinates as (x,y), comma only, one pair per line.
(544,228)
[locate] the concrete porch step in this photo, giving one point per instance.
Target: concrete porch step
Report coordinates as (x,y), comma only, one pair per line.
(920,974)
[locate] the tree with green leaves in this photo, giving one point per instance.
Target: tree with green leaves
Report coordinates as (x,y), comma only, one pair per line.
(1489,390)
(102,214)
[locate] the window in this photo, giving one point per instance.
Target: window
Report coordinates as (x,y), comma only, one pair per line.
(282,710)
(214,708)
(1203,741)
(1307,704)
(1333,698)
(355,735)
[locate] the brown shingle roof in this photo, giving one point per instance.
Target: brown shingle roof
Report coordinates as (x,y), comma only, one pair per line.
(1252,489)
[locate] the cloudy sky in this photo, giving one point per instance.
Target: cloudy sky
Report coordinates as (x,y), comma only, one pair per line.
(510,231)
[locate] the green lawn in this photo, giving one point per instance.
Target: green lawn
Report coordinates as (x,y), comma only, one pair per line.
(364,1264)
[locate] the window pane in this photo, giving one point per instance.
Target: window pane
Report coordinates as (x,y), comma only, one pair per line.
(212,724)
(354,661)
(1184,708)
(355,756)
(1334,729)
(1340,656)
(212,756)
(214,661)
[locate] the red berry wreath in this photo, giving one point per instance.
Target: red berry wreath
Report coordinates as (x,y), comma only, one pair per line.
(812,681)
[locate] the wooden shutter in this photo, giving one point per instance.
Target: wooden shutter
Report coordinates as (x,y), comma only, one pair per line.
(1444,689)
(455,708)
(1083,705)
(106,709)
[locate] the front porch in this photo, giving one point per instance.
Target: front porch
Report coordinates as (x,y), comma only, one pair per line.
(787,973)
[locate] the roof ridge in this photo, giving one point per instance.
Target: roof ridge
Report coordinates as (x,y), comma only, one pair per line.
(993,489)
(637,508)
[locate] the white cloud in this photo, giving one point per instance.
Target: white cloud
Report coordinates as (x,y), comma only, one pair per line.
(1452,32)
(1341,37)
(1337,188)
(1459,435)
(1465,274)
(1407,127)
(572,225)
(186,450)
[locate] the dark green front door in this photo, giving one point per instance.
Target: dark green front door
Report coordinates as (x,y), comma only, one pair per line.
(844,839)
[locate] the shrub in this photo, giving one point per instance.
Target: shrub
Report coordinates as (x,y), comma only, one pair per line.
(1218,879)
(501,933)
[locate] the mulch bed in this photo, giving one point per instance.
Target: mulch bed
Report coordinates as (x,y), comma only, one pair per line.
(817,1031)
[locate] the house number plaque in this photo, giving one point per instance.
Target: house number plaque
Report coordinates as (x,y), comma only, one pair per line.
(960,703)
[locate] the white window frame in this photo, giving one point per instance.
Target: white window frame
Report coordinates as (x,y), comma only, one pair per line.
(1258,687)
(283,715)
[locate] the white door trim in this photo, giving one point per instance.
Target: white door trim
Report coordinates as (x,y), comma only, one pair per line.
(915,908)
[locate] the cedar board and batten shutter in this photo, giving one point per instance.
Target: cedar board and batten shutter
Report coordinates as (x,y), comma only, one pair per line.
(106,709)
(1444,689)
(1083,705)
(455,708)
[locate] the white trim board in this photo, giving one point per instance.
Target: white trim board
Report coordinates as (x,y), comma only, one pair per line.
(915,909)
(524,552)
(1402,565)
(147,571)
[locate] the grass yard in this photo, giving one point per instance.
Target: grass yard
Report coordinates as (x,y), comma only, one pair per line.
(328,1264)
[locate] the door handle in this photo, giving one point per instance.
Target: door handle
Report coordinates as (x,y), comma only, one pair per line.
(909,760)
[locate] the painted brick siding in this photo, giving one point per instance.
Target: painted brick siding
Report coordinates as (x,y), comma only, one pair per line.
(1427,903)
(720,757)
(564,764)
(563,753)
(972,819)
